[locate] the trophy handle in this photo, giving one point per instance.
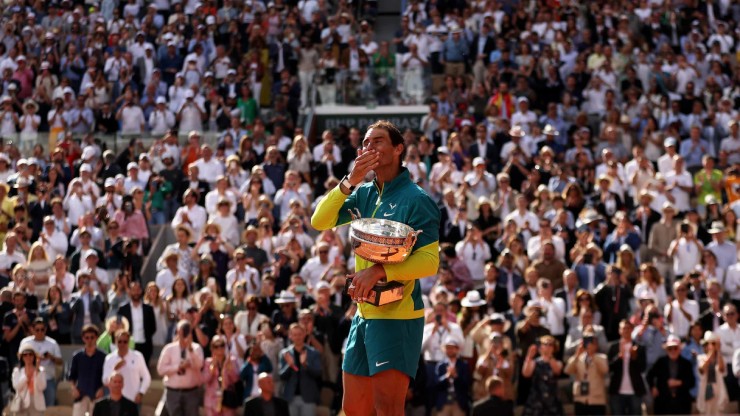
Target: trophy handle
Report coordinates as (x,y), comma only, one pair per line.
(356,215)
(411,238)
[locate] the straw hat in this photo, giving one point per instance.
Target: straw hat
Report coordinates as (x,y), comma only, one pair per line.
(472,299)
(517,131)
(285,297)
(549,130)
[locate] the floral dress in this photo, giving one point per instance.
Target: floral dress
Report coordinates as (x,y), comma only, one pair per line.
(543,392)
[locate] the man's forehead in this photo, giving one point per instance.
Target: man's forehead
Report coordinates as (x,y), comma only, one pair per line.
(376,133)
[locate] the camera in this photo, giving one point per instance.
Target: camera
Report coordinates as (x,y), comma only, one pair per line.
(438,318)
(588,258)
(684,228)
(587,341)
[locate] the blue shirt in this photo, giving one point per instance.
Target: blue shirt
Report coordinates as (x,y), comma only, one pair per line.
(87,372)
(455,51)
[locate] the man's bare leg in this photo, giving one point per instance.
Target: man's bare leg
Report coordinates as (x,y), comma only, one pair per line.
(358,395)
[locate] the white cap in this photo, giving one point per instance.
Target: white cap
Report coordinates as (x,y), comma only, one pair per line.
(90,252)
(85,167)
(210,20)
(20,58)
(231,71)
(88,152)
(189,94)
(478,161)
(161,100)
(109,182)
(132,165)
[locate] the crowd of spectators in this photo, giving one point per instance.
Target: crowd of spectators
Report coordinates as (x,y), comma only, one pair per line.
(585,156)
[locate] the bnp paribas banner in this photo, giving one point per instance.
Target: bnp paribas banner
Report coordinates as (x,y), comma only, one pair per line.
(330,117)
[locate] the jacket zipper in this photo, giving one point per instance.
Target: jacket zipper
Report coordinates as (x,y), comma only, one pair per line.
(377,203)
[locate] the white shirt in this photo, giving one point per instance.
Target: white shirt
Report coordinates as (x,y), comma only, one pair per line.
(686,258)
(678,324)
(313,269)
(132,120)
(732,281)
(56,244)
(209,170)
(522,218)
(475,257)
(625,387)
(682,179)
(161,121)
(729,339)
(212,198)
(137,324)
(250,276)
(135,373)
(165,279)
(197,216)
(534,245)
(554,318)
(42,347)
(431,344)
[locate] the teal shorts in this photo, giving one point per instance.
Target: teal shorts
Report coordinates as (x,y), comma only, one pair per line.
(376,345)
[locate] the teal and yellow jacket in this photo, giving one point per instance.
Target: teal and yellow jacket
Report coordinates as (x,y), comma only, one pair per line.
(403,201)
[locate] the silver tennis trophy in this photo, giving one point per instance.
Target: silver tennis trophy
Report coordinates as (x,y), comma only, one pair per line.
(381,241)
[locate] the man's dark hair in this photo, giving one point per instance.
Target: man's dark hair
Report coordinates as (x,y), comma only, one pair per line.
(89,328)
(394,134)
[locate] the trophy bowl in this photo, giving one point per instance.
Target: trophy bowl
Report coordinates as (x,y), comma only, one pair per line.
(381,241)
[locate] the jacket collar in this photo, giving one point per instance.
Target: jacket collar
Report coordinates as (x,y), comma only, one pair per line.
(396,183)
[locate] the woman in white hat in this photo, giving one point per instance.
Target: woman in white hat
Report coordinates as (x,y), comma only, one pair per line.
(711,397)
(472,313)
(29,124)
(29,383)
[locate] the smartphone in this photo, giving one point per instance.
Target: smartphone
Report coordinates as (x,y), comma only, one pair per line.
(301,289)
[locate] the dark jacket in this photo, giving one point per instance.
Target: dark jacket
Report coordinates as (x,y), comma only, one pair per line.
(150,322)
(309,375)
(461,384)
(247,373)
(671,401)
(254,407)
(493,406)
(127,407)
(500,301)
(637,366)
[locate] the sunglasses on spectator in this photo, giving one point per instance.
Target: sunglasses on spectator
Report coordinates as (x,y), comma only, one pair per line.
(217,346)
(122,341)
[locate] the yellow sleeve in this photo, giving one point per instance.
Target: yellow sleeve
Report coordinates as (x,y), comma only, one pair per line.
(421,263)
(326,214)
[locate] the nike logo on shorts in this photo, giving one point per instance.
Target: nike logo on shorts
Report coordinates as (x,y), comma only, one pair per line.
(377,364)
(387,214)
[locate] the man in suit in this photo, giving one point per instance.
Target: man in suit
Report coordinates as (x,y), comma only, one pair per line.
(145,65)
(300,370)
(613,301)
(671,379)
(480,51)
(568,293)
(625,394)
(495,403)
(496,296)
(266,403)
(485,148)
(142,320)
(452,381)
(115,403)
(86,302)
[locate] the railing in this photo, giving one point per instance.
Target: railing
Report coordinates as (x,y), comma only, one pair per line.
(113,142)
(371,87)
